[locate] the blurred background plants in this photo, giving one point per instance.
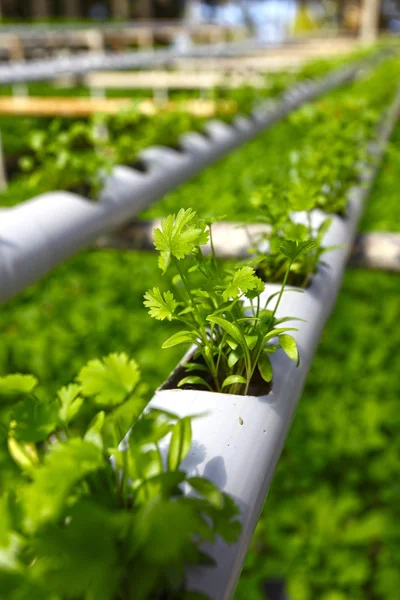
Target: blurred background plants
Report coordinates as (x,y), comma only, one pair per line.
(330,523)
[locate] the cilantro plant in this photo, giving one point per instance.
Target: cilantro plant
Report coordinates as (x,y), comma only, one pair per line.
(75,158)
(322,169)
(275,207)
(220,308)
(130,131)
(84,516)
(339,133)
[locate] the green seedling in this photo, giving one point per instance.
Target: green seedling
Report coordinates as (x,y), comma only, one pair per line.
(221,309)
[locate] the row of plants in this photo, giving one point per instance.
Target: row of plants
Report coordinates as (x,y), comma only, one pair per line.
(366,566)
(55,572)
(84,516)
(220,310)
(77,155)
(107,288)
(17,130)
(339,540)
(365,98)
(384,212)
(65,476)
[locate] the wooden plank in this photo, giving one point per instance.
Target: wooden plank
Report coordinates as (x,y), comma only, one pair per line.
(375,251)
(370,21)
(83,107)
(231,240)
(183,80)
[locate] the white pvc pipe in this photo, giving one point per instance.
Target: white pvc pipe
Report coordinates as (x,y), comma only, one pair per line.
(47,69)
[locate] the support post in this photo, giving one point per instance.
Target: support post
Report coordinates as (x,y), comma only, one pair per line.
(370,21)
(71,9)
(144,9)
(3,176)
(120,9)
(378,251)
(40,9)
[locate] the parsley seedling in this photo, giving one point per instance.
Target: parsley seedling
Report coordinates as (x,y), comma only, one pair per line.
(219,307)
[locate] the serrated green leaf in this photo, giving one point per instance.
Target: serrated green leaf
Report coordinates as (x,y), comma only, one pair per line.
(161,306)
(243,280)
(70,401)
(64,467)
(295,250)
(179,445)
(180,234)
(296,232)
(172,524)
(74,561)
(109,381)
(16,385)
(33,420)
(150,428)
(162,485)
(120,419)
(302,195)
(207,489)
(257,290)
(225,524)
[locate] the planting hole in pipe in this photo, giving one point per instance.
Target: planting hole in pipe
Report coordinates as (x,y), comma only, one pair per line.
(258,387)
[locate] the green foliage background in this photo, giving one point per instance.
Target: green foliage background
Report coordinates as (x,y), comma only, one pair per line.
(330,526)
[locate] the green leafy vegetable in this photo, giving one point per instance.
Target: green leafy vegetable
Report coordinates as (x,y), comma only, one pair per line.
(86,516)
(221,309)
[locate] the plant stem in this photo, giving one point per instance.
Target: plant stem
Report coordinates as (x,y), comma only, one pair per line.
(213,255)
(281,270)
(222,342)
(281,291)
(203,333)
(246,352)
